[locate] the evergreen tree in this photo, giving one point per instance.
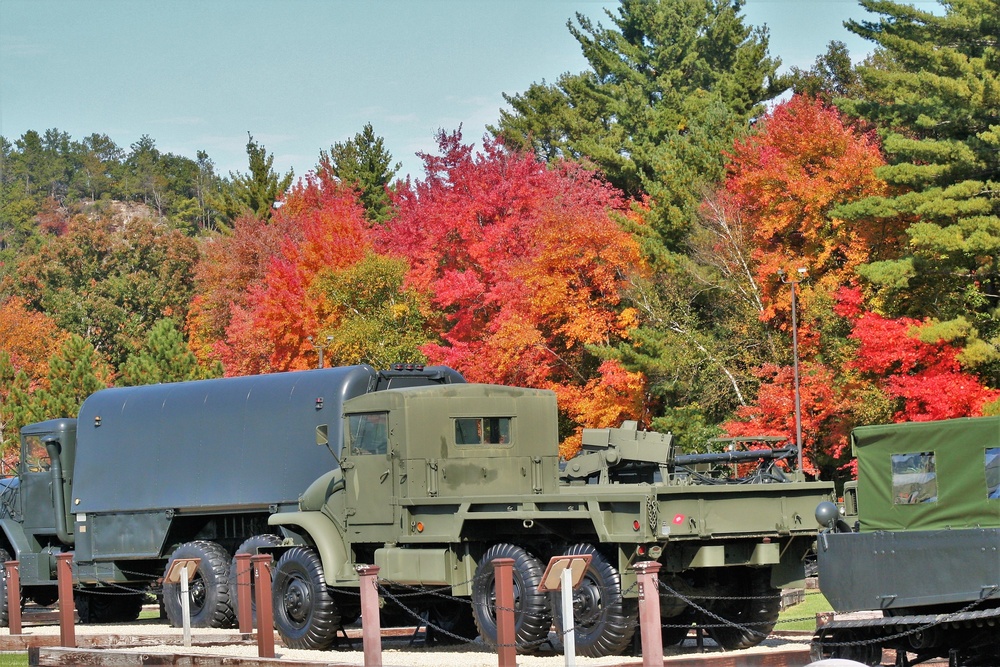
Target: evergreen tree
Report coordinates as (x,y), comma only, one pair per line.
(145,178)
(934,94)
(364,163)
(75,372)
(164,358)
(832,76)
(670,86)
(258,190)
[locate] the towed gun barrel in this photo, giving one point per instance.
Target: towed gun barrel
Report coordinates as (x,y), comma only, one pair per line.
(610,454)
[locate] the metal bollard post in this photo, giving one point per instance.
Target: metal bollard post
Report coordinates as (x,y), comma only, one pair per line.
(13,596)
(67,608)
(503,580)
(650,625)
(244,593)
(265,610)
(371,625)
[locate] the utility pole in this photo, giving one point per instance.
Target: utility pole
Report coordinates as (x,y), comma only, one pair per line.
(319,347)
(803,275)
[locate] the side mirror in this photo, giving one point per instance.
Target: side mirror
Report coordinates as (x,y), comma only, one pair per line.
(322,435)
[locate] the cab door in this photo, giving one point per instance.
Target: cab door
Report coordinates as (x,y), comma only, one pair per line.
(367,465)
(37,498)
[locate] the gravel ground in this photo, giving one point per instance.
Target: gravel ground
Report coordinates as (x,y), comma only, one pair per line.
(396,651)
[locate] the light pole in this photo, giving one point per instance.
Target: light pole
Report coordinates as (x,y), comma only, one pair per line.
(802,271)
(319,347)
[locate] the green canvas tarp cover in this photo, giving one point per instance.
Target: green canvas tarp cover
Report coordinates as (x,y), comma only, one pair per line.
(929,475)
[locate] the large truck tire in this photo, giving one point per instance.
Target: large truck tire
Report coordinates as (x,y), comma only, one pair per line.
(305,613)
(249,546)
(750,609)
(107,606)
(208,589)
(603,620)
(532,614)
(450,622)
(43,596)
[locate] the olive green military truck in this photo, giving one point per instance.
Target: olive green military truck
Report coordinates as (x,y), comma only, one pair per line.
(436,482)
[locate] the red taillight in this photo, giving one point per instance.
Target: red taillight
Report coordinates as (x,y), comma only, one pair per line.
(636,525)
(678,519)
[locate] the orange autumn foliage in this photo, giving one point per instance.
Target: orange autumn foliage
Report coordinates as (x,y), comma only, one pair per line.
(325,230)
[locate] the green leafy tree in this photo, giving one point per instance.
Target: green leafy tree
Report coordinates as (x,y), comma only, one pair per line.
(208,194)
(258,190)
(375,318)
(109,279)
(145,179)
(364,163)
(671,83)
(100,166)
(17,206)
(164,357)
(934,95)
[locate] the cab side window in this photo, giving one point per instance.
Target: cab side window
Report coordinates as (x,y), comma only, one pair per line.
(368,433)
(914,478)
(36,459)
(992,462)
(482,430)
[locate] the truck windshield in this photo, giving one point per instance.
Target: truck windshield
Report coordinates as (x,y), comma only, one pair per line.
(36,459)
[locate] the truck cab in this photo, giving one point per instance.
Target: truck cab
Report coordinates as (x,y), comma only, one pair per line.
(34,508)
(413,446)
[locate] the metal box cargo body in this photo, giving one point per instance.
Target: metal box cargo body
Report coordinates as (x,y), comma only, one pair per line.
(208,445)
(435,480)
(145,469)
(927,500)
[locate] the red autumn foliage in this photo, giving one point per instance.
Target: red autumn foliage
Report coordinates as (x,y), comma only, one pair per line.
(785,179)
(525,264)
(926,377)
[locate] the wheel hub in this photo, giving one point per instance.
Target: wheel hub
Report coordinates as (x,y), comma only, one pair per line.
(298,600)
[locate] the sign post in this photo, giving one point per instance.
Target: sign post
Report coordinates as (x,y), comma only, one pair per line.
(181,570)
(564,573)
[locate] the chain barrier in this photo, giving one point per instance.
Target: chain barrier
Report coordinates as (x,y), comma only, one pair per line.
(943,619)
(725,622)
(391,591)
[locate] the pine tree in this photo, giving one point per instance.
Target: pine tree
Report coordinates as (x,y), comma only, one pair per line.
(75,372)
(670,86)
(934,94)
(258,190)
(365,164)
(164,358)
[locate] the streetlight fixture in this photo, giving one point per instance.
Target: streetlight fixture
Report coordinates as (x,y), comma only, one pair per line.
(319,347)
(803,274)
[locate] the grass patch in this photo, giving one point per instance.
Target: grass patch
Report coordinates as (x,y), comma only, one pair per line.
(18,659)
(803,616)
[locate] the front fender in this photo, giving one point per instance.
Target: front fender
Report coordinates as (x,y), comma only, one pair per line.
(317,529)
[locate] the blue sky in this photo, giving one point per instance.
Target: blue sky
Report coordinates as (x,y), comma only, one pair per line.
(301,75)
